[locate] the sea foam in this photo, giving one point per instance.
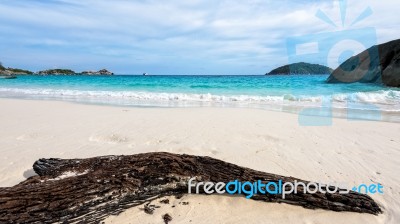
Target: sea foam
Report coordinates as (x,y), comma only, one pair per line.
(387,100)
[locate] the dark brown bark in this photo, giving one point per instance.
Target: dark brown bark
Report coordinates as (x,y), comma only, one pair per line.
(109,185)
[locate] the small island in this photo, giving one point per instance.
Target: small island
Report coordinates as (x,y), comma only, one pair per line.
(301,68)
(16,71)
(100,72)
(13,71)
(71,72)
(57,72)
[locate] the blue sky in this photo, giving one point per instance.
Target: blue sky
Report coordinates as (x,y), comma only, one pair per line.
(172,36)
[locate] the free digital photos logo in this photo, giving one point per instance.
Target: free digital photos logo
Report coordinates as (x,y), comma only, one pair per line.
(262,187)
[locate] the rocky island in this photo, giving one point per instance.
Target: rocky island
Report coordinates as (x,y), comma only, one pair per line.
(57,72)
(71,72)
(100,72)
(13,71)
(379,64)
(301,68)
(16,71)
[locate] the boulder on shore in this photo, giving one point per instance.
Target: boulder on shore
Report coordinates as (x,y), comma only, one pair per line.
(379,64)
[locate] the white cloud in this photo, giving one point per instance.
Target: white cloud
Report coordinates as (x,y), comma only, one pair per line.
(171,36)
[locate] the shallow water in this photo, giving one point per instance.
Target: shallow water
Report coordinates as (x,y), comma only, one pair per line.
(284,93)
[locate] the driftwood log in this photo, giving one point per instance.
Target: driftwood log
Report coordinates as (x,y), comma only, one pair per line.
(89,190)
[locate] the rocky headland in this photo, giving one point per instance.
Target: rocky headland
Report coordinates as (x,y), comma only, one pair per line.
(379,64)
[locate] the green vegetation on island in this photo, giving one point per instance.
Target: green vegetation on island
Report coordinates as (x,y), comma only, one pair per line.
(57,72)
(301,68)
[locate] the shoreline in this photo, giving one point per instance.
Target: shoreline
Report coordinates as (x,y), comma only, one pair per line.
(275,93)
(337,113)
(349,151)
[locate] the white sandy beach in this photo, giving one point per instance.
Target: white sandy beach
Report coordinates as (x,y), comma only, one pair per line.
(353,152)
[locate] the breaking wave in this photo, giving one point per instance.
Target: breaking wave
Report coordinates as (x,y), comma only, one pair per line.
(387,100)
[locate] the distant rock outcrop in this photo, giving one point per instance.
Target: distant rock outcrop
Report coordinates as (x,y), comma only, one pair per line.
(13,71)
(71,72)
(100,72)
(378,64)
(57,72)
(301,68)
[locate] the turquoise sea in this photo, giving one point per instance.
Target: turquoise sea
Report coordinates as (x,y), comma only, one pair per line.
(281,93)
